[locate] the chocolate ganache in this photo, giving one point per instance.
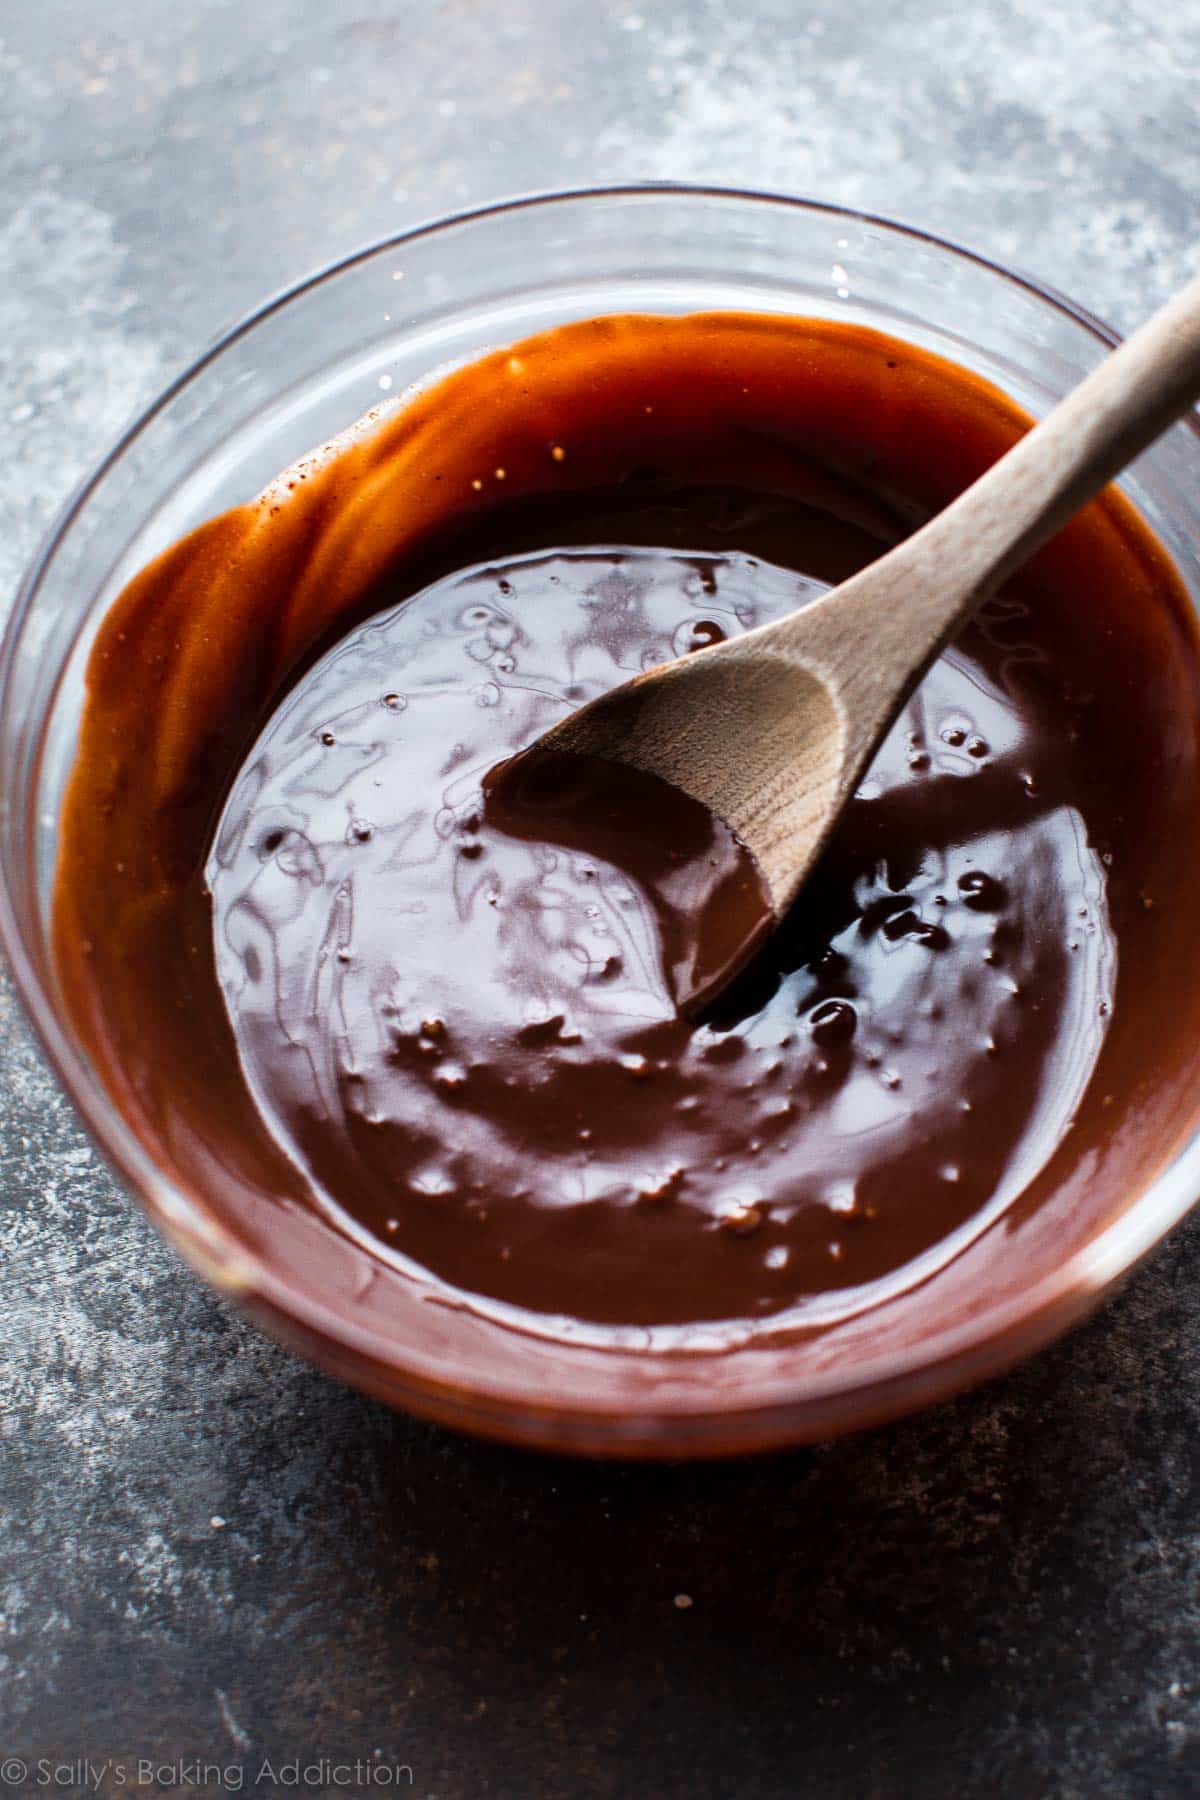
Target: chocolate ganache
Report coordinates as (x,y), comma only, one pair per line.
(320,952)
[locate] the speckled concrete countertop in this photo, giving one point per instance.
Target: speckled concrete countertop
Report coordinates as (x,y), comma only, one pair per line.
(210,1553)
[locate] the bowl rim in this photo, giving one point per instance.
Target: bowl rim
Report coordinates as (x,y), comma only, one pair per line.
(942,1362)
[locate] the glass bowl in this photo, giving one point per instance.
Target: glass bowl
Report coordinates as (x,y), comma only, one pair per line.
(292,375)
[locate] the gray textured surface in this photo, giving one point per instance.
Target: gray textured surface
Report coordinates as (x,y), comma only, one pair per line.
(208,1550)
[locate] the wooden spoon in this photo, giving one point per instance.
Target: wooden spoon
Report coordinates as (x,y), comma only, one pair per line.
(772,731)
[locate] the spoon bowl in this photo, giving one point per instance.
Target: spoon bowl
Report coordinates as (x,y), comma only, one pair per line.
(781,788)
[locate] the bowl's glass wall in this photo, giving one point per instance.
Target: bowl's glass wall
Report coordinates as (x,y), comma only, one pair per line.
(355,338)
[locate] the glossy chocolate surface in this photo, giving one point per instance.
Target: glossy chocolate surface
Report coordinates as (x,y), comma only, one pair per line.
(318,961)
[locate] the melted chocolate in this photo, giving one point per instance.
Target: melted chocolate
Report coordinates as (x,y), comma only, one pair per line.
(336,968)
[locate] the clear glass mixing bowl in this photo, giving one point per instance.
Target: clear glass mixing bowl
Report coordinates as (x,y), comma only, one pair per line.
(292,375)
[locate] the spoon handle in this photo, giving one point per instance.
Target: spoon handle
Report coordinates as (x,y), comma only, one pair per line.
(1148,382)
(885,625)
